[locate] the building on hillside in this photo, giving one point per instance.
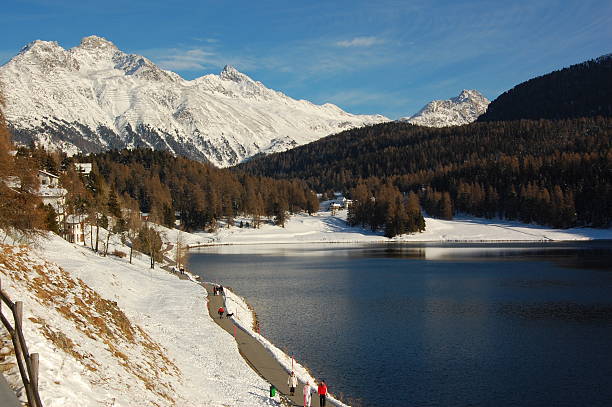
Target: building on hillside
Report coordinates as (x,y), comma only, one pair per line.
(51,193)
(75,229)
(48,179)
(83,168)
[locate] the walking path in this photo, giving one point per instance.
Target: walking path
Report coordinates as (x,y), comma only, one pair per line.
(258,357)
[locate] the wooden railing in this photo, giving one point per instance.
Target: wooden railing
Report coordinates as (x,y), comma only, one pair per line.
(28,363)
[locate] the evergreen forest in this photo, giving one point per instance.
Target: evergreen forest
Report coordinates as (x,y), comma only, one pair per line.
(166,186)
(581,90)
(556,173)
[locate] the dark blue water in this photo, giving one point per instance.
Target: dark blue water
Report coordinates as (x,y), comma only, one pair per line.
(427,325)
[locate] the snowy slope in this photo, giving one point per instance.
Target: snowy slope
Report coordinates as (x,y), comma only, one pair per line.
(459,110)
(94,97)
(114,334)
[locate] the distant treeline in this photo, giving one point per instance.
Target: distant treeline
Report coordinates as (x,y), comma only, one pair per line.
(581,90)
(556,173)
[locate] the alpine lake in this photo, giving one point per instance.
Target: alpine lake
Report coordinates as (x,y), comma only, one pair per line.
(433,324)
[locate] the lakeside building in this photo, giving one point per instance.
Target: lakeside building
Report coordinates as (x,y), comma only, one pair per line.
(340,203)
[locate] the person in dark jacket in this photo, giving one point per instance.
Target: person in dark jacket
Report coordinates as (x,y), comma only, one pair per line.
(322,390)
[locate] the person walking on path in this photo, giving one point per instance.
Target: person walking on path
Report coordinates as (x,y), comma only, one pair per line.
(322,393)
(307,394)
(221,311)
(292,383)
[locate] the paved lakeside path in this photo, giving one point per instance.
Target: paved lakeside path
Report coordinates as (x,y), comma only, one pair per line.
(258,357)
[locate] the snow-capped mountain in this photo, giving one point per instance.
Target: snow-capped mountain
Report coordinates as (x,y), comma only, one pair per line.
(95,97)
(459,110)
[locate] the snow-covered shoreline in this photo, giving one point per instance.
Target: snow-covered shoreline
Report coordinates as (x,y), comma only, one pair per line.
(326,228)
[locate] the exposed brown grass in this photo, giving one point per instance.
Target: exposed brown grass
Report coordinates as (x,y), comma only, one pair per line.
(119,253)
(96,317)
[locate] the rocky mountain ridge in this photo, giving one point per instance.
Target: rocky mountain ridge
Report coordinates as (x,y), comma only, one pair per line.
(94,97)
(462,109)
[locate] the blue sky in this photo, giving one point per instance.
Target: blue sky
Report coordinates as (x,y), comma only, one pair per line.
(385,56)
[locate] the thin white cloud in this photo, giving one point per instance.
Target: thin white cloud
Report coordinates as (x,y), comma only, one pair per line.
(360,42)
(358,97)
(201,58)
(207,40)
(177,59)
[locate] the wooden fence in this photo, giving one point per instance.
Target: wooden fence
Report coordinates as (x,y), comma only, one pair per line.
(28,363)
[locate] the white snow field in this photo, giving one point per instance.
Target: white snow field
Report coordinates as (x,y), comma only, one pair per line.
(114,334)
(327,228)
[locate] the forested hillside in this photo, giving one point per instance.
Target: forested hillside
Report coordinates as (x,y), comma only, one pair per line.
(557,173)
(202,194)
(164,186)
(581,90)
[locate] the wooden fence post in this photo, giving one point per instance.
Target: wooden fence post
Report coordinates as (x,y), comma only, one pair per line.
(18,314)
(21,351)
(34,360)
(29,372)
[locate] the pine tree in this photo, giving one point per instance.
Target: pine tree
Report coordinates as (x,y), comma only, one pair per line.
(280,213)
(113,204)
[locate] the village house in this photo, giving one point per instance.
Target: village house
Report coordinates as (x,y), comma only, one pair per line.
(340,203)
(50,192)
(83,168)
(75,229)
(47,179)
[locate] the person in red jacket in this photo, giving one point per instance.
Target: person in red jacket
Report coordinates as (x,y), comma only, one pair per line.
(221,311)
(322,393)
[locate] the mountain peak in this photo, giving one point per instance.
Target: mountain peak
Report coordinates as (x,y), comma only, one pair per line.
(462,109)
(468,94)
(41,45)
(232,74)
(95,42)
